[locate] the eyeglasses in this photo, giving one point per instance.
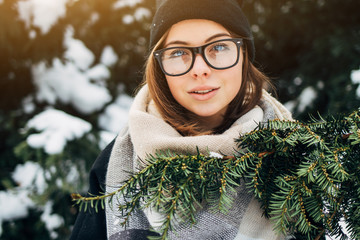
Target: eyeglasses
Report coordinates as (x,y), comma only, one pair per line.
(221,54)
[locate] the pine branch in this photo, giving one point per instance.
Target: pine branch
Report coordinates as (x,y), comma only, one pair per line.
(306,177)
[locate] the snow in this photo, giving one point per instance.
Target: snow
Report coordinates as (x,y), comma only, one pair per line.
(114,119)
(91,98)
(128,19)
(355,78)
(215,155)
(28,104)
(305,99)
(115,115)
(126,3)
(94,18)
(30,175)
(17,205)
(298,81)
(73,174)
(99,72)
(71,81)
(290,105)
(307,96)
(105,138)
(77,80)
(41,13)
(32,34)
(52,221)
(343,227)
(77,52)
(141,13)
(108,57)
(30,178)
(56,128)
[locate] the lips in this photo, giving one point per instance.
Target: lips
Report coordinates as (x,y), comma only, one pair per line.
(203,93)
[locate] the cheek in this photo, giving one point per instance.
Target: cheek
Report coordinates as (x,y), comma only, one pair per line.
(234,81)
(174,86)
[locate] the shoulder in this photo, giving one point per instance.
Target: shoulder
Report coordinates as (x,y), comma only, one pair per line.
(99,169)
(91,225)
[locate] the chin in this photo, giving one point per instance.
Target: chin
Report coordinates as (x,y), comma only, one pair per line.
(205,115)
(208,114)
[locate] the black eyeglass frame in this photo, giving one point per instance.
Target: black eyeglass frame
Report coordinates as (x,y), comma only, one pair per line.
(198,50)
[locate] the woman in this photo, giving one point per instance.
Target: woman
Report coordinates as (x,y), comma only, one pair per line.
(200,90)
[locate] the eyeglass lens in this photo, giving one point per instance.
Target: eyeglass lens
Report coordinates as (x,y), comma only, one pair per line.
(219,55)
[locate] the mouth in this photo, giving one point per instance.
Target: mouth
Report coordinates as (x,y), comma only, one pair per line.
(204,91)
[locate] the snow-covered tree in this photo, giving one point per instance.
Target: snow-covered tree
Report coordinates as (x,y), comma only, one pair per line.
(311,49)
(67,70)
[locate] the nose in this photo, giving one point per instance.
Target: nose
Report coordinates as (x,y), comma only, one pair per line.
(200,68)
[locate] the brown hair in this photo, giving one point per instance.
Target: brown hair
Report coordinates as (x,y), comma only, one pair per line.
(249,95)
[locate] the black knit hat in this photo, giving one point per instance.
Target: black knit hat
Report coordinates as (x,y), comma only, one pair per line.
(226,12)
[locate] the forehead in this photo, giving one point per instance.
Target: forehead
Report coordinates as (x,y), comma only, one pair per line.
(194,31)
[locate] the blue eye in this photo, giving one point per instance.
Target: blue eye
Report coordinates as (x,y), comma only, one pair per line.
(220,47)
(177,53)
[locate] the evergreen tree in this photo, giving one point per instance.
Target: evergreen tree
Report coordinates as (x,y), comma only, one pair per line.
(23,46)
(306,175)
(309,45)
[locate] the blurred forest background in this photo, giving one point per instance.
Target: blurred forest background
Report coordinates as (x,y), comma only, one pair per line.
(69,68)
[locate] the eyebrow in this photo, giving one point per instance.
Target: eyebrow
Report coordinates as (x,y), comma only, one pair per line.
(206,41)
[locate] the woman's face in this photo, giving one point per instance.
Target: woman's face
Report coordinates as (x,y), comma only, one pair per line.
(204,91)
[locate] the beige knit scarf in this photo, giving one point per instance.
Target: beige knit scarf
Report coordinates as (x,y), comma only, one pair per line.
(150,133)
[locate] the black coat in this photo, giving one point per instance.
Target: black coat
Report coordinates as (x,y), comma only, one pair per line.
(91,225)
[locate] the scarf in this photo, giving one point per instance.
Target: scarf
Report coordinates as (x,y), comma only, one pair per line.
(147,133)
